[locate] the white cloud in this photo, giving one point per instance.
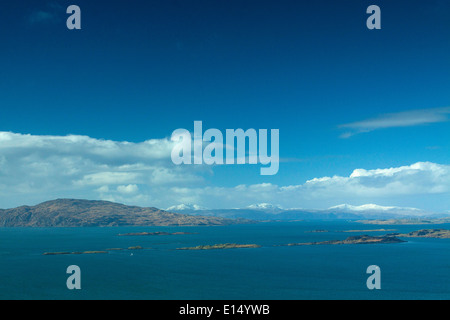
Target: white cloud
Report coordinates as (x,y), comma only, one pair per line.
(128,189)
(399,119)
(415,185)
(107,178)
(103,189)
(418,178)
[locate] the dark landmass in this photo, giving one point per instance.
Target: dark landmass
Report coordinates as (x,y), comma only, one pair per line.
(93,213)
(405,221)
(90,252)
(157,233)
(363,239)
(221,246)
(368,230)
(75,252)
(425,233)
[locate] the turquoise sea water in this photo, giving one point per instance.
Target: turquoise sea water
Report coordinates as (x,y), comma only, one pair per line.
(417,269)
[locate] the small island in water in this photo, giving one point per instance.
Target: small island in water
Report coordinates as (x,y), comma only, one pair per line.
(425,233)
(90,251)
(74,252)
(363,239)
(411,221)
(157,233)
(221,246)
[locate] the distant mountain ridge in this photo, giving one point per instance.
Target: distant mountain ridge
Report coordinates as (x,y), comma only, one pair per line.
(266,211)
(266,207)
(82,213)
(373,208)
(188,206)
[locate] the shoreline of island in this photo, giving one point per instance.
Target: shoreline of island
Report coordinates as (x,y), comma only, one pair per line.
(390,238)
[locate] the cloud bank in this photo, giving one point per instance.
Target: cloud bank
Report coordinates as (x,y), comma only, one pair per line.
(44,167)
(406,185)
(38,168)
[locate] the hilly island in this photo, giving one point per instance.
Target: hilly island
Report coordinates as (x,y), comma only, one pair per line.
(96,213)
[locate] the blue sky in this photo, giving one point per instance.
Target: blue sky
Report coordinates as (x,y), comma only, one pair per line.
(343,97)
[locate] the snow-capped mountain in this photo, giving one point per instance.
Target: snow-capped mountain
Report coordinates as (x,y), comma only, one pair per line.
(267,211)
(264,206)
(377,209)
(186,207)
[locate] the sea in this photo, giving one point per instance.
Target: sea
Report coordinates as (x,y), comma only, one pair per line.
(416,269)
